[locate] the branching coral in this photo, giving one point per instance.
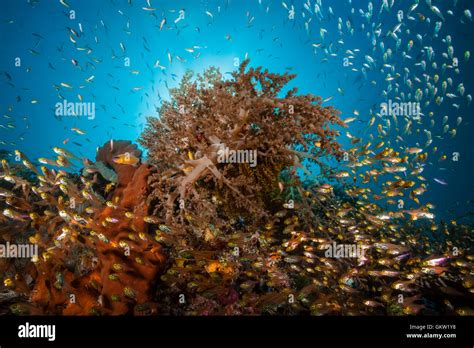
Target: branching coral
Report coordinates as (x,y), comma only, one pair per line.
(237,244)
(224,207)
(210,114)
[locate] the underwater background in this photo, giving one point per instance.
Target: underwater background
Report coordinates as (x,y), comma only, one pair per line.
(37,32)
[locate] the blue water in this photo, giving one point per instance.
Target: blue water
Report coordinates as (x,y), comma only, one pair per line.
(261,30)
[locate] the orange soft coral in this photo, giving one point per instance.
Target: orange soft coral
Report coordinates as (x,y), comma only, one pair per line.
(122,264)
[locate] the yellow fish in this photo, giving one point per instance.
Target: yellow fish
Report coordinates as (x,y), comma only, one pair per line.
(126,158)
(78,131)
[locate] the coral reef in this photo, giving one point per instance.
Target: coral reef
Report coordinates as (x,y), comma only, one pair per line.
(195,231)
(252,240)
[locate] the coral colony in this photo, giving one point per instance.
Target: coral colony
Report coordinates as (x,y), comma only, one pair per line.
(201,227)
